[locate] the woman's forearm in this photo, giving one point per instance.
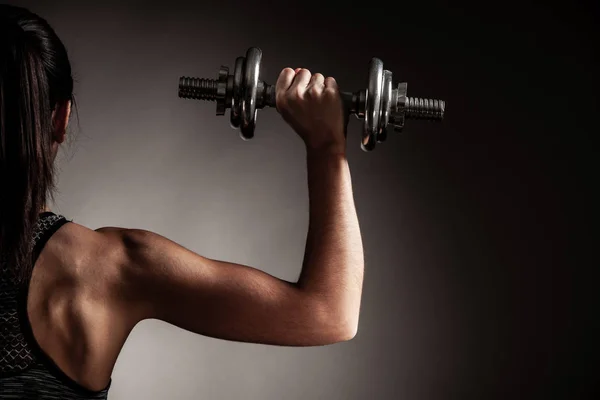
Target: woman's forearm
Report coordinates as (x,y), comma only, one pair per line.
(333,264)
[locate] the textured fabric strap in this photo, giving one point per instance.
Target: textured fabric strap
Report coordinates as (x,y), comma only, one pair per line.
(15,353)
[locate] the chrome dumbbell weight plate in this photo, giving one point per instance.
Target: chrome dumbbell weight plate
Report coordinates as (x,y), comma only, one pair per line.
(372,105)
(378,105)
(249,90)
(235,115)
(386,106)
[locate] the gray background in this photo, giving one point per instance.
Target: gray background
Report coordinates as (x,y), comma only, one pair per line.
(469,226)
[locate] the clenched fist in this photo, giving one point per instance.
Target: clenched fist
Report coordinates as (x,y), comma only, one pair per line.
(312,106)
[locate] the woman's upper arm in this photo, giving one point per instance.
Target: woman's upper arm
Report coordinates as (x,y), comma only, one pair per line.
(164,280)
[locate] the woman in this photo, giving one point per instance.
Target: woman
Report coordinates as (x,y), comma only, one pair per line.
(70,295)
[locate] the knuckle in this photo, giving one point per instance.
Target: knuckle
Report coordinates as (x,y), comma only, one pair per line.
(285,75)
(298,92)
(314,90)
(330,91)
(282,98)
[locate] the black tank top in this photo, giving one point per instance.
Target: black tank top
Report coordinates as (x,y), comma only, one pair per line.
(26,372)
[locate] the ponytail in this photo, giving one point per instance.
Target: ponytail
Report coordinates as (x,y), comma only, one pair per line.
(27,62)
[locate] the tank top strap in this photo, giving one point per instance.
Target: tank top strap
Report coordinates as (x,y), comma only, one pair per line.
(48,223)
(17,345)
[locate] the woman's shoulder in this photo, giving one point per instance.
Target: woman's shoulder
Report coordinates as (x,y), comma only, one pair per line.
(84,256)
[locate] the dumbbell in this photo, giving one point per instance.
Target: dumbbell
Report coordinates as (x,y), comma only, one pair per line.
(383,107)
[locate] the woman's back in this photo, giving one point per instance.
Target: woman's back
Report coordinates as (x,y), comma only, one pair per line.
(50,346)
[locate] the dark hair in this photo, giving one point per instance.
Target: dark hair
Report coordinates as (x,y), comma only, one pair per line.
(35,78)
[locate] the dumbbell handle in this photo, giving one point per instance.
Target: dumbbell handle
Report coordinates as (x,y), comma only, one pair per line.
(269,98)
(207,89)
(350,100)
